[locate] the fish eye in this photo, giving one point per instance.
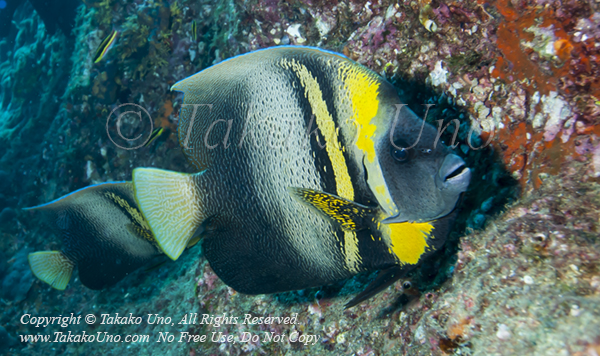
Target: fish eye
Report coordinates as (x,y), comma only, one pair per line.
(406,285)
(400,155)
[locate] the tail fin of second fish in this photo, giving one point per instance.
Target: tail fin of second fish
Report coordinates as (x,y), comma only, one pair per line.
(52,267)
(170,202)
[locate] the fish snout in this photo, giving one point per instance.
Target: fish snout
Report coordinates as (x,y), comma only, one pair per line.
(453,174)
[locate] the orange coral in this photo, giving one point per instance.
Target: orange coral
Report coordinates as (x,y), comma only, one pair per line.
(164,119)
(524,150)
(457,330)
(515,63)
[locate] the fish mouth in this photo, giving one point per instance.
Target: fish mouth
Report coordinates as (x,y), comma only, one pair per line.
(460,178)
(460,170)
(453,174)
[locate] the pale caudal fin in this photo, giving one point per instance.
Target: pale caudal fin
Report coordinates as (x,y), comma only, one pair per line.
(171,205)
(52,267)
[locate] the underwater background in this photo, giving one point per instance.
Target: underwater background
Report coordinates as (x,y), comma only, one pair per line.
(520,273)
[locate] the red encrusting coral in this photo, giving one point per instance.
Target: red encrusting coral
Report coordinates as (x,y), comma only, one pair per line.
(572,71)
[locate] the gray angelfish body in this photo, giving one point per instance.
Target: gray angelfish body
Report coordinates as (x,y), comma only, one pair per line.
(304,179)
(104,235)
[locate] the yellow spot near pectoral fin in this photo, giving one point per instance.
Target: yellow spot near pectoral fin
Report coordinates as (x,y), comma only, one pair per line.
(51,267)
(409,240)
(349,215)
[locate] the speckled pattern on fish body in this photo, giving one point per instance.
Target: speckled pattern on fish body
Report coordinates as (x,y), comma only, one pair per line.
(269,125)
(104,235)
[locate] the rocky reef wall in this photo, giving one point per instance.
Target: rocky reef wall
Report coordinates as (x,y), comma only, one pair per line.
(520,274)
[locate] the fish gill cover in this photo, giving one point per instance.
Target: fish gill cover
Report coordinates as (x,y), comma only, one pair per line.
(518,273)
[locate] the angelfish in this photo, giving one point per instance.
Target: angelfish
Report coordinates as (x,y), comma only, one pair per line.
(104,235)
(311,170)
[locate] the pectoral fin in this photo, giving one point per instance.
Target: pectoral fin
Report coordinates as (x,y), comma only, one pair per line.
(349,215)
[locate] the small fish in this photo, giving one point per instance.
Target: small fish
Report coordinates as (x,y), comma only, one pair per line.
(426,14)
(155,134)
(105,46)
(104,235)
(194,31)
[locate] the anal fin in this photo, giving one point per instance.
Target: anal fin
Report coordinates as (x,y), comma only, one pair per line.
(350,215)
(52,267)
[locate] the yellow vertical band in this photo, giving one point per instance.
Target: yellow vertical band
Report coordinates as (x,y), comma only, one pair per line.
(362,90)
(351,252)
(326,125)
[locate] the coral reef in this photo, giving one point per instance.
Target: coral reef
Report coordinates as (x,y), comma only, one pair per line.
(6,341)
(17,280)
(519,274)
(528,284)
(55,14)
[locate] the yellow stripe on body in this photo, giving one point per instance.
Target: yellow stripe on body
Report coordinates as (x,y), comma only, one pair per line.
(135,214)
(143,229)
(325,122)
(362,90)
(105,46)
(408,240)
